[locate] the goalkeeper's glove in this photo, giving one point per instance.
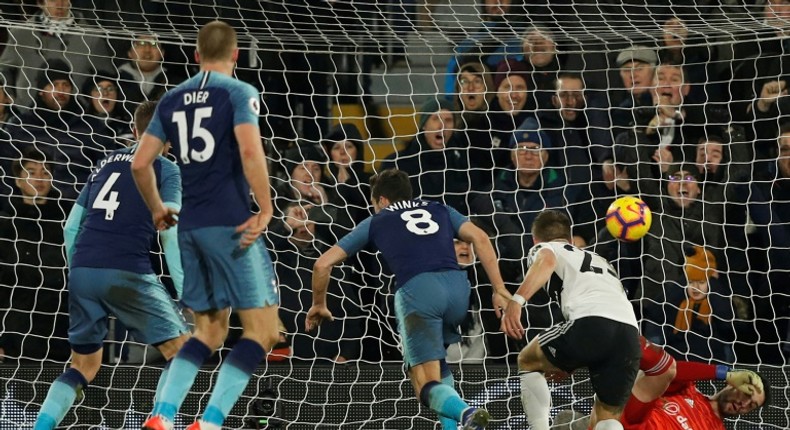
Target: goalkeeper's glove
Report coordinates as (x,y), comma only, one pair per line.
(745,381)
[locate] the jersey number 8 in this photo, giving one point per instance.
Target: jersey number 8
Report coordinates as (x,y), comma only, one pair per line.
(419,222)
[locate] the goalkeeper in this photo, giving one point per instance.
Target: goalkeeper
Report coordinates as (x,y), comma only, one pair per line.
(665,395)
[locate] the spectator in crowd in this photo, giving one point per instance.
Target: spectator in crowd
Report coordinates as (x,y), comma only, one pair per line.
(56,33)
(105,120)
(519,195)
(579,142)
(696,55)
(497,39)
(699,311)
(682,219)
(50,127)
(541,56)
(304,182)
(345,171)
(637,66)
(296,248)
(676,125)
(475,90)
(144,76)
(33,265)
(512,105)
(436,166)
(8,152)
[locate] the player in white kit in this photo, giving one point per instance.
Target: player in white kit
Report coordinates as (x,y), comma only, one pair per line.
(600,331)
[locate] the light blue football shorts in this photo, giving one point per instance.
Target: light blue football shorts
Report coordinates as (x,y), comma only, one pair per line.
(429,308)
(219,274)
(139,301)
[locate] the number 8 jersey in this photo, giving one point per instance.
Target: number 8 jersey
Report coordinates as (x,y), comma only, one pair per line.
(198,118)
(589,286)
(414,236)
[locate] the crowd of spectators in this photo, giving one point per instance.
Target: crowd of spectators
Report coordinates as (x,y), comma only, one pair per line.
(526,122)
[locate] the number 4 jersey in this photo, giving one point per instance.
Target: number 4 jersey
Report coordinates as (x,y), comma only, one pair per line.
(414,236)
(116,230)
(589,284)
(198,118)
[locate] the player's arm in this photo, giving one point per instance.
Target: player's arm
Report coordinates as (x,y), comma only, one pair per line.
(350,244)
(485,252)
(538,274)
(74,221)
(148,149)
(256,171)
(170,190)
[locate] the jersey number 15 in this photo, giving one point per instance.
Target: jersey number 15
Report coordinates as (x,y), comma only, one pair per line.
(198,132)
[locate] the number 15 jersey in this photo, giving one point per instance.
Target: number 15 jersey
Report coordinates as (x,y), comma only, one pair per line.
(198,118)
(589,284)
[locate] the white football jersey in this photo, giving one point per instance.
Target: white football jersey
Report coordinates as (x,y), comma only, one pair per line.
(589,284)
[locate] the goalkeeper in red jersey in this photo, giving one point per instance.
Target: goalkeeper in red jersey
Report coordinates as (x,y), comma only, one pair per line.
(665,396)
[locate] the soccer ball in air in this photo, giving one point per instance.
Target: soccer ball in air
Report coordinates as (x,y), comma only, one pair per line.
(628,218)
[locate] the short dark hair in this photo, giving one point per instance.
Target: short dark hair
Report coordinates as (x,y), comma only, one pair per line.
(31,155)
(216,41)
(392,184)
(550,225)
(143,115)
(766,388)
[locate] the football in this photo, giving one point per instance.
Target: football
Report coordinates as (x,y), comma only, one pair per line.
(628,218)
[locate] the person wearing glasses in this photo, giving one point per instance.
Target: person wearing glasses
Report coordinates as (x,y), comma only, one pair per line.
(144,76)
(56,33)
(106,122)
(681,219)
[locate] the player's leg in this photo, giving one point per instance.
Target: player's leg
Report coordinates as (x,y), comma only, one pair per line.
(613,370)
(246,282)
(67,387)
(421,307)
(658,369)
(259,336)
(87,330)
(535,395)
(168,349)
(211,328)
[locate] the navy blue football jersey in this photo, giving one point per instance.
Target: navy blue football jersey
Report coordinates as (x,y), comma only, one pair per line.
(414,236)
(198,118)
(116,230)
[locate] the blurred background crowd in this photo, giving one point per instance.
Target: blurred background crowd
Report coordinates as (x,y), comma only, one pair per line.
(562,105)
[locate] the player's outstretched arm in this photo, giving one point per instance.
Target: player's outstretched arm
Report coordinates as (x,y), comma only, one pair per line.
(253,161)
(485,252)
(148,149)
(538,274)
(322,270)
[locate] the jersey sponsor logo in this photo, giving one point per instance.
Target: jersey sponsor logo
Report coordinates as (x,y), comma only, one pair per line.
(553,351)
(689,402)
(195,97)
(673,409)
(255,105)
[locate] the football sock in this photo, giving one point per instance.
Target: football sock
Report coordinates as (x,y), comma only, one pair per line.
(608,425)
(60,398)
(183,369)
(444,400)
(162,380)
(448,423)
(536,399)
(234,374)
(655,361)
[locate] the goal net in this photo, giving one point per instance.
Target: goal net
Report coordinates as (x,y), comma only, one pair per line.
(500,109)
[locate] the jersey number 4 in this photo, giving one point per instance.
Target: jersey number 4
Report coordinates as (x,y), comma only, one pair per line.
(198,132)
(108,199)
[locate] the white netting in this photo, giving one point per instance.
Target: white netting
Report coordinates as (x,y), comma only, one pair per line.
(383,69)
